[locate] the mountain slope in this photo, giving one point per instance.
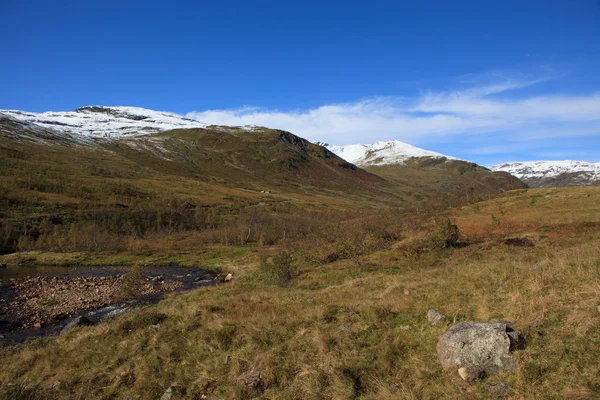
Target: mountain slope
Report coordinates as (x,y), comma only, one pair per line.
(100,121)
(426,172)
(457,180)
(553,173)
(170,181)
(99,175)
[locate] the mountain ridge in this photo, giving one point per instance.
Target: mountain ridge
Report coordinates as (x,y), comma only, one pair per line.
(105,121)
(381,153)
(553,173)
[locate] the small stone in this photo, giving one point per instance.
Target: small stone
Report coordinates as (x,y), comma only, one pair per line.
(54,385)
(435,317)
(250,379)
(345,327)
(404,327)
(470,372)
(498,390)
(168,394)
(406,292)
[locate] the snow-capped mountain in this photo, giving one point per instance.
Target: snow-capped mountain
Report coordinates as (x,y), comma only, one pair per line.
(100,121)
(381,153)
(553,173)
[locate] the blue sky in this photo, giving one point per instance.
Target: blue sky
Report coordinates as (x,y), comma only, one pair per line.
(489,81)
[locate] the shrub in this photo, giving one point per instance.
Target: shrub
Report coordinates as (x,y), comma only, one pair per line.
(280,268)
(445,235)
(132,281)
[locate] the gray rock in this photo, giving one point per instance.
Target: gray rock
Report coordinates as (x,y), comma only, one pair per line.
(470,372)
(77,322)
(487,345)
(251,379)
(168,394)
(435,317)
(498,390)
(345,327)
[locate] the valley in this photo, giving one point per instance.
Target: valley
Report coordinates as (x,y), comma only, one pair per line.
(335,267)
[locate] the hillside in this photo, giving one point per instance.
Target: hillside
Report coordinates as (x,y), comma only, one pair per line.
(427,172)
(158,181)
(123,171)
(553,173)
(459,180)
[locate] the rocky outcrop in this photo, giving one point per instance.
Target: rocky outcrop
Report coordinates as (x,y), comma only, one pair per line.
(479,348)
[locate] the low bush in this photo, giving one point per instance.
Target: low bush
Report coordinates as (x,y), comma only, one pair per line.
(280,268)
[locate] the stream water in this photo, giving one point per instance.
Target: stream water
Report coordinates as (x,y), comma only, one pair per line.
(10,332)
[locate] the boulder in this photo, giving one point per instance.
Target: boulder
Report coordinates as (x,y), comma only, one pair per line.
(485,345)
(76,322)
(435,317)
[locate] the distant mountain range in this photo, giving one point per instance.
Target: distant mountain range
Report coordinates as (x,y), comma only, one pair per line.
(553,173)
(93,124)
(533,173)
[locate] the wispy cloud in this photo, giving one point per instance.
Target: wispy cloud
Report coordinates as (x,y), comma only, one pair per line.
(496,113)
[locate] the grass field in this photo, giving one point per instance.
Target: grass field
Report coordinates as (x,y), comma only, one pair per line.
(340,312)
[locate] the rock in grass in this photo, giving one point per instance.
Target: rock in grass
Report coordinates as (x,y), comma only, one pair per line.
(76,322)
(168,394)
(435,317)
(250,379)
(498,390)
(470,372)
(486,345)
(345,327)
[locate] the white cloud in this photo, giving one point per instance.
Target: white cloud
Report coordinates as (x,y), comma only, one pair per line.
(492,112)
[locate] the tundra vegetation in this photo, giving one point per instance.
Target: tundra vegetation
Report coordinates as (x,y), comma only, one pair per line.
(331,285)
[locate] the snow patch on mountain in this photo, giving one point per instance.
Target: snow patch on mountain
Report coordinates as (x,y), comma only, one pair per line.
(381,153)
(553,173)
(100,121)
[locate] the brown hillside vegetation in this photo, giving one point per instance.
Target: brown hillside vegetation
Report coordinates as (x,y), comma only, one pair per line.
(340,313)
(219,185)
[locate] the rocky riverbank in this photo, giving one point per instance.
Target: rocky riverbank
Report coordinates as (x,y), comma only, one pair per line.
(35,302)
